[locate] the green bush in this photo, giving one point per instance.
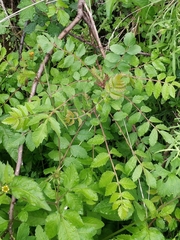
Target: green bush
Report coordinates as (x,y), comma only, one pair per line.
(90,144)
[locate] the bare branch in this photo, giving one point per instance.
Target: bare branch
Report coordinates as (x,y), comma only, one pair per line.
(90,22)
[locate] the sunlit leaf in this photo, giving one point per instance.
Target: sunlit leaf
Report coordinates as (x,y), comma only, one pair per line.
(100,160)
(29,191)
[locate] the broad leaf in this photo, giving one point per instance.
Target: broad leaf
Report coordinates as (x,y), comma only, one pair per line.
(40,134)
(52,224)
(150,179)
(67,231)
(153,137)
(55,126)
(106,178)
(127,183)
(78,151)
(96,140)
(70,177)
(28,190)
(131,164)
(100,160)
(143,129)
(137,173)
(44,43)
(40,234)
(3,224)
(167,137)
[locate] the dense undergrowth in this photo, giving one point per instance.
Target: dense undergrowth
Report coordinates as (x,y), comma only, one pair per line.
(90,141)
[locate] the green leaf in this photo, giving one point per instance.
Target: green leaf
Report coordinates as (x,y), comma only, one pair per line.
(151,207)
(150,179)
(117,49)
(118,116)
(3,224)
(127,183)
(169,187)
(69,45)
(74,202)
(6,173)
(73,217)
(67,231)
(134,118)
(153,137)
(138,99)
(80,50)
(145,109)
(90,60)
(127,195)
(11,146)
(57,56)
(143,129)
(129,39)
(148,234)
(125,210)
(116,86)
(78,151)
(52,224)
(55,126)
(104,208)
(157,89)
(159,65)
(100,160)
(88,193)
(70,177)
(165,91)
(44,43)
(161,76)
(106,178)
(40,234)
(96,140)
(154,120)
(26,189)
(112,57)
(151,71)
(37,118)
(93,223)
(149,87)
(137,173)
(172,91)
(84,135)
(130,165)
(139,210)
(39,134)
(62,17)
(134,49)
(29,142)
(140,3)
(109,7)
(167,137)
(111,188)
(167,210)
(68,61)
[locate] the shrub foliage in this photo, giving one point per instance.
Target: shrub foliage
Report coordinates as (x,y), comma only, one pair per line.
(89,132)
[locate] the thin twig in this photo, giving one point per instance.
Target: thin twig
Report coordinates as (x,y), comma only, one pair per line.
(22,40)
(90,22)
(4,9)
(13,199)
